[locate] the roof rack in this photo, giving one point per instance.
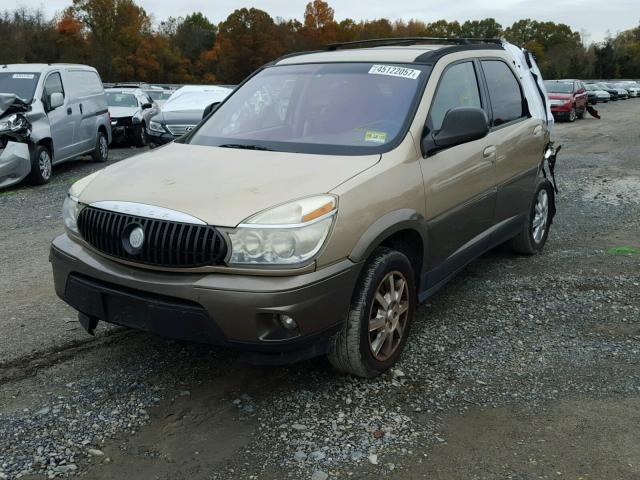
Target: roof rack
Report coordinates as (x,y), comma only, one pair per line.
(378,42)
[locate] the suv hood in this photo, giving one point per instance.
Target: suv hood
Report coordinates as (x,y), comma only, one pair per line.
(221,186)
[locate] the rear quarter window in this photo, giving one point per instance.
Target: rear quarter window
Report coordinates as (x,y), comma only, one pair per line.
(505,94)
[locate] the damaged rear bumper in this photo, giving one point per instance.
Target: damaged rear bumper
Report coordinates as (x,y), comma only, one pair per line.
(15,163)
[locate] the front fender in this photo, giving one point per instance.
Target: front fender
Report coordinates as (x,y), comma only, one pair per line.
(384,227)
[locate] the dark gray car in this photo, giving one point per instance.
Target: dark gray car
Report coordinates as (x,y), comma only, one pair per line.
(183,111)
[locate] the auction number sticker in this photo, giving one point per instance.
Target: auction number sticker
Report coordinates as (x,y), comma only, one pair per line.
(25,76)
(392,71)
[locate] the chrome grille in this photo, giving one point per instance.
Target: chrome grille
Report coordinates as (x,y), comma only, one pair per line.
(166,243)
(179,130)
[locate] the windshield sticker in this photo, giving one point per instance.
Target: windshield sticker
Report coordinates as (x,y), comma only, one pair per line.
(25,76)
(392,71)
(375,137)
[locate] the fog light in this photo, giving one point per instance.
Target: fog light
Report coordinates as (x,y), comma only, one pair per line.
(288,322)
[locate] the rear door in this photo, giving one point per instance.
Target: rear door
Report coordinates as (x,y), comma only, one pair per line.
(61,120)
(89,92)
(459,181)
(519,140)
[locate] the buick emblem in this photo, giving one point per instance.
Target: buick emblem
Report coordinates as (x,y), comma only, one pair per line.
(136,238)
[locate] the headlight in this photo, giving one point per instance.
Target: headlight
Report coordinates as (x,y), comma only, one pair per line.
(70,210)
(287,235)
(12,123)
(156,127)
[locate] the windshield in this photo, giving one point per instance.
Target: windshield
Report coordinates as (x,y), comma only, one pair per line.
(194,100)
(22,85)
(558,87)
(158,94)
(121,99)
(339,108)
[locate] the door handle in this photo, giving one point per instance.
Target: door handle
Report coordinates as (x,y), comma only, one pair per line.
(69,111)
(80,109)
(490,151)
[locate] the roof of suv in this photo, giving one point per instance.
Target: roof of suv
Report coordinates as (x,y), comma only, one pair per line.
(401,50)
(38,67)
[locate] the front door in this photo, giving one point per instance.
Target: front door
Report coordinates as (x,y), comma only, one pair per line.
(459,181)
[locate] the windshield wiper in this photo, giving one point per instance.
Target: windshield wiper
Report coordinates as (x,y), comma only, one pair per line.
(245,147)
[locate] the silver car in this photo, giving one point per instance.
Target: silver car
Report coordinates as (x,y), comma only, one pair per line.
(49,114)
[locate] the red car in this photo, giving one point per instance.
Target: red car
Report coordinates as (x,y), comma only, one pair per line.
(568,99)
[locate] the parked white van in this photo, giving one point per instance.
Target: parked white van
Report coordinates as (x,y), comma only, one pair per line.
(49,113)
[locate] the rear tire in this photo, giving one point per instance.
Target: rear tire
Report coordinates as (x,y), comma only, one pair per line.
(380,317)
(41,165)
(101,151)
(534,234)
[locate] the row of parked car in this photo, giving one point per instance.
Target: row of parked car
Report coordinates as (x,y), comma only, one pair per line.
(569,98)
(144,114)
(52,113)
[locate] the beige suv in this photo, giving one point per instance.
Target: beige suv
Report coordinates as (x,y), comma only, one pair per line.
(316,206)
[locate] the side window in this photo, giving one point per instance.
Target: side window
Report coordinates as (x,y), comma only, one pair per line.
(53,84)
(458,87)
(504,91)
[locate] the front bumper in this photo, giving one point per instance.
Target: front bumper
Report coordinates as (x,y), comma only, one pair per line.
(238,311)
(121,133)
(159,138)
(15,163)
(562,109)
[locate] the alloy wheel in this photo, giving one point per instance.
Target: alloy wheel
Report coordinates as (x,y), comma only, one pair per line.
(388,316)
(44,165)
(541,213)
(104,147)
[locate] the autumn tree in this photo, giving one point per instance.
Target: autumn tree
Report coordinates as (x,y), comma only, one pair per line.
(246,40)
(487,28)
(115,30)
(195,35)
(319,25)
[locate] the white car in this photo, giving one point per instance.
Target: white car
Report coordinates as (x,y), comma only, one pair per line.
(631,87)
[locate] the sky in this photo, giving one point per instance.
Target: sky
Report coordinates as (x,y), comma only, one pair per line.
(595,18)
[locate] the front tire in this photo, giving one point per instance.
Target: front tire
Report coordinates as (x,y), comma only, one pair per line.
(140,135)
(41,165)
(532,238)
(573,114)
(101,151)
(380,317)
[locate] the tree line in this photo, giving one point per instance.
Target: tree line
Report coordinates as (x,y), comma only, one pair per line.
(123,41)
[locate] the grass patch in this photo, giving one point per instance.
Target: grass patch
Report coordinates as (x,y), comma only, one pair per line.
(624,250)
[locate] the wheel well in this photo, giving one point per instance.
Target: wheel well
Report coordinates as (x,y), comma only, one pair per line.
(410,243)
(102,129)
(48,144)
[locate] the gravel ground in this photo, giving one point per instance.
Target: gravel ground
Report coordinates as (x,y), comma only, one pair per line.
(521,368)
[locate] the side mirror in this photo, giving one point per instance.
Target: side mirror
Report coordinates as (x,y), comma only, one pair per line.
(460,125)
(146,106)
(56,100)
(210,109)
